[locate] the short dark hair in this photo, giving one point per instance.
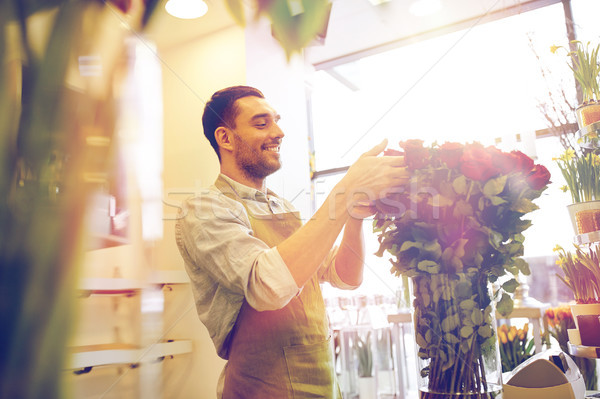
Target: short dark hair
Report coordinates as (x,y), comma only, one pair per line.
(221,111)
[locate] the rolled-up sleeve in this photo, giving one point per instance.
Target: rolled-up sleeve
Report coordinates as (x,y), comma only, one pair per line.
(217,237)
(328,273)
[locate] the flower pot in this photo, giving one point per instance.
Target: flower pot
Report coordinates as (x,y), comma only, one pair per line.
(584,309)
(585,216)
(455,329)
(367,388)
(587,114)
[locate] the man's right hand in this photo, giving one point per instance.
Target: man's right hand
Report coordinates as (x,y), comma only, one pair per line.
(371,177)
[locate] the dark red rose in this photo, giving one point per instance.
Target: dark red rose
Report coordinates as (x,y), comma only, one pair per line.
(476,163)
(522,162)
(450,154)
(505,162)
(539,177)
(393,153)
(415,155)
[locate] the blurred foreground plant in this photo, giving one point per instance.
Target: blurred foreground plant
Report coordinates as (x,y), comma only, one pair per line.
(51,113)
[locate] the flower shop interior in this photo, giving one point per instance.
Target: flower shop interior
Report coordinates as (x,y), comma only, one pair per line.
(108,298)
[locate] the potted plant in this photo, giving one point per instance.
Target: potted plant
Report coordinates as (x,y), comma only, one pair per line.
(584,64)
(582,275)
(582,175)
(366,381)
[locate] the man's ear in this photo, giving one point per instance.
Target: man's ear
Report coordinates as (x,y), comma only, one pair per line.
(224,138)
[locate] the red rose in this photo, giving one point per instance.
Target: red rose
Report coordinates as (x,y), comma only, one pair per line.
(476,163)
(503,161)
(393,153)
(415,154)
(522,162)
(539,177)
(450,154)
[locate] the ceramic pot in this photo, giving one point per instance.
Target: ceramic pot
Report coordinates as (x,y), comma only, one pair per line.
(587,114)
(585,309)
(585,216)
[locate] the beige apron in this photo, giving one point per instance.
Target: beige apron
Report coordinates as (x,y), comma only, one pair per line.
(284,353)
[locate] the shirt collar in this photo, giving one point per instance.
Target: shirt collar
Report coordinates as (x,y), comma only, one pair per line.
(246,192)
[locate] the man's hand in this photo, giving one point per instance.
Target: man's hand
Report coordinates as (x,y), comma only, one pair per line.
(371,178)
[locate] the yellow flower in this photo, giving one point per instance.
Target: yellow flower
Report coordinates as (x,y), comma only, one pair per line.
(595,159)
(512,333)
(569,154)
(503,328)
(502,337)
(553,49)
(557,248)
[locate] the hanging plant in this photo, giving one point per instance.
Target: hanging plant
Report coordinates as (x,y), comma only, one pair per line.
(296,23)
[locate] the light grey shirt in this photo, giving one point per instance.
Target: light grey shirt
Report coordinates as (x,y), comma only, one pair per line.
(227,263)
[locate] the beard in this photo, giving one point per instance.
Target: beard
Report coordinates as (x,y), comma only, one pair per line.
(255,163)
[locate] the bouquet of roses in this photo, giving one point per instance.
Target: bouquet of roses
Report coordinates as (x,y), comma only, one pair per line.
(455,227)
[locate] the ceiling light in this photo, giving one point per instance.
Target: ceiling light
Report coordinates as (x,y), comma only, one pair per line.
(186,9)
(421,8)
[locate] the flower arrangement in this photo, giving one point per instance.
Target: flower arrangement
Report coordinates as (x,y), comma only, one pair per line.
(514,346)
(585,67)
(457,227)
(556,323)
(582,175)
(581,272)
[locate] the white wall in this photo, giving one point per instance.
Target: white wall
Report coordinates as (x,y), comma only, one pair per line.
(282,83)
(191,73)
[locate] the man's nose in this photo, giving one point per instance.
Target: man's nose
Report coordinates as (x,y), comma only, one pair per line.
(277,132)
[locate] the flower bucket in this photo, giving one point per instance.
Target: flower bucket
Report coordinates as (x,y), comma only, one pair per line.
(585,216)
(584,309)
(455,329)
(587,114)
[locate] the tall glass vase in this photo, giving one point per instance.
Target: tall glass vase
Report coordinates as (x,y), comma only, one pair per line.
(455,329)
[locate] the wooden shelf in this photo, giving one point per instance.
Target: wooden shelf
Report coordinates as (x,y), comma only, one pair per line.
(123,286)
(86,357)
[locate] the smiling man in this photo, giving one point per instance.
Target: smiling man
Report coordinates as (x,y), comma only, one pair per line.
(255,269)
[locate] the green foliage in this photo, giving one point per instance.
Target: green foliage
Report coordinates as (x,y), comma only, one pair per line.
(582,175)
(295,22)
(585,68)
(365,355)
(581,272)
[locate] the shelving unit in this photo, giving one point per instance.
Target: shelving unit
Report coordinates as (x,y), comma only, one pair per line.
(591,352)
(86,357)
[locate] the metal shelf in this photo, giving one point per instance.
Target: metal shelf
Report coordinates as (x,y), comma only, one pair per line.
(591,352)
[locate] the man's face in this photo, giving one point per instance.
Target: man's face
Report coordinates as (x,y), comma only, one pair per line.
(257,137)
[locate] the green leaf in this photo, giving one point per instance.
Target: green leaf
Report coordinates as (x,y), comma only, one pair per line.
(429,266)
(477,316)
(463,289)
(467,304)
(450,323)
(524,205)
(494,186)
(433,249)
(450,338)
(505,305)
(497,200)
(510,286)
(462,208)
(485,331)
(460,185)
(466,331)
(406,245)
(495,239)
(523,266)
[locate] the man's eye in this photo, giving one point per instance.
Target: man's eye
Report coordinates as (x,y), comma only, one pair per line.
(261,125)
